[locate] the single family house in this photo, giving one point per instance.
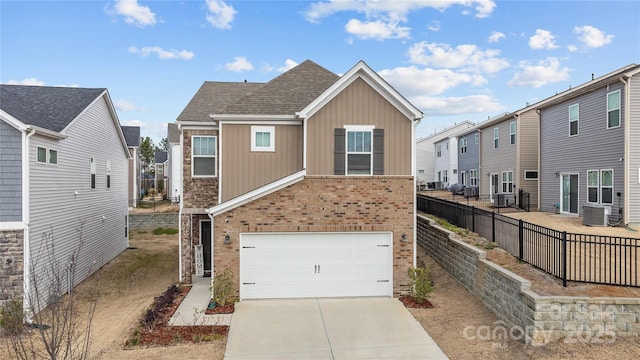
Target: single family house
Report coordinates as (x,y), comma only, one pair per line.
(132,136)
(160,166)
(469,158)
(302,186)
(64,166)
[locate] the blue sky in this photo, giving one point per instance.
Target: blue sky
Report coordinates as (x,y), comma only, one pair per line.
(455,60)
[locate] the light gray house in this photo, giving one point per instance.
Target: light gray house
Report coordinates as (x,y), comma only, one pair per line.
(132,136)
(590,149)
(469,157)
(426,154)
(63,187)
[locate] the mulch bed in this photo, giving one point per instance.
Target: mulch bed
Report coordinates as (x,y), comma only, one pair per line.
(227,309)
(411,302)
(152,328)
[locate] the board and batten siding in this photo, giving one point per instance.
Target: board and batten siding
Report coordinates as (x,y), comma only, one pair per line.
(62,201)
(10,173)
(594,148)
(469,160)
(244,170)
(528,131)
(495,161)
(633,211)
(359,104)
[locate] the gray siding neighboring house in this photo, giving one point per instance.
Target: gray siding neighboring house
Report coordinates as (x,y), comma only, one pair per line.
(498,157)
(132,137)
(588,159)
(425,152)
(11,173)
(469,158)
(75,172)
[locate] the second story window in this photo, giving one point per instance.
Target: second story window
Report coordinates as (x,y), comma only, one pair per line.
(496,138)
(613,109)
(512,133)
(203,158)
(263,138)
(477,138)
(438,150)
(574,115)
(359,154)
(92,164)
(108,174)
(53,157)
(463,145)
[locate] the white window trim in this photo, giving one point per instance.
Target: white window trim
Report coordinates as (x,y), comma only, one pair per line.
(596,186)
(438,150)
(477,137)
(352,128)
(46,152)
(268,129)
(92,172)
(496,138)
(215,166)
(513,131)
(463,145)
(619,110)
(108,178)
(529,177)
(505,190)
(577,120)
(602,187)
(473,172)
(49,150)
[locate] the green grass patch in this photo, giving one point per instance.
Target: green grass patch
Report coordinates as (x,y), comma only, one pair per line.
(445,224)
(165,231)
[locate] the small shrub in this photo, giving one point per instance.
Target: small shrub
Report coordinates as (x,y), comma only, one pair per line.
(11,317)
(223,288)
(420,283)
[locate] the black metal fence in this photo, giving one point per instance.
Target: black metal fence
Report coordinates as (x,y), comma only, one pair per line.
(570,257)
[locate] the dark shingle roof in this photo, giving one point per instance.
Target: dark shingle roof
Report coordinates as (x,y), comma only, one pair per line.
(160,156)
(48,107)
(288,93)
(213,97)
(131,135)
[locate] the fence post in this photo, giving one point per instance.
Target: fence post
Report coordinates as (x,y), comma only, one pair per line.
(473,218)
(493,227)
(520,239)
(564,259)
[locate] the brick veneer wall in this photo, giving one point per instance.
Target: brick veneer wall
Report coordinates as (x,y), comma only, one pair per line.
(538,319)
(326,204)
(197,192)
(190,224)
(11,264)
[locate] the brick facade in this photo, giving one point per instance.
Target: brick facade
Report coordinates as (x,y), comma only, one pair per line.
(326,204)
(11,264)
(197,192)
(190,236)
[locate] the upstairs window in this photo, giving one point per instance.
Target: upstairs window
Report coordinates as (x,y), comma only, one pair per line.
(92,169)
(463,145)
(203,158)
(512,133)
(108,174)
(574,114)
(359,154)
(438,150)
(477,138)
(358,150)
(496,138)
(263,138)
(41,155)
(613,109)
(53,157)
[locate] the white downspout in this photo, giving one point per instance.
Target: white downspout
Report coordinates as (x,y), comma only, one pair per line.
(213,236)
(415,193)
(180,278)
(26,262)
(627,167)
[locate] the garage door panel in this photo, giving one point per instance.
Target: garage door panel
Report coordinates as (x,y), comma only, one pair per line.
(281,265)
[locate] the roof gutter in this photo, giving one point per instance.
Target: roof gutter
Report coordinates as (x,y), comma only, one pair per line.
(45,132)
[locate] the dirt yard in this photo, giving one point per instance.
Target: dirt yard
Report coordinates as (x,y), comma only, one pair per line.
(458,322)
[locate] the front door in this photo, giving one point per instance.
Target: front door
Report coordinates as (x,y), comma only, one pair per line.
(569,194)
(205,240)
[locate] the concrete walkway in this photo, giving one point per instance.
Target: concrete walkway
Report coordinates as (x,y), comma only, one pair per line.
(191,310)
(354,328)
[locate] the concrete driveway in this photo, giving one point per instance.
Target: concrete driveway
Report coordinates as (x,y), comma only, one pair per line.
(355,328)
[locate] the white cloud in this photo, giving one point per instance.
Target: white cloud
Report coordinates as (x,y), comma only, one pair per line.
(466,57)
(543,72)
(496,36)
(221,14)
(27,81)
(413,81)
(124,105)
(134,13)
(435,26)
(592,37)
(572,48)
(378,29)
(162,53)
(288,65)
(543,39)
(473,104)
(239,64)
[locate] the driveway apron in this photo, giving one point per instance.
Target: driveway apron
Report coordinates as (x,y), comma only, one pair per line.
(353,328)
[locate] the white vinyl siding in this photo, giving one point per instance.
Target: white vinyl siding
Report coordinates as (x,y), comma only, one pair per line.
(613,109)
(574,119)
(204,157)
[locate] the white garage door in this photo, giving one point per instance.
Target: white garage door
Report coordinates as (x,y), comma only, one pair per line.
(291,265)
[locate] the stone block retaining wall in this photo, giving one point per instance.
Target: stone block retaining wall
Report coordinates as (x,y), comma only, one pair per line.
(525,315)
(153,220)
